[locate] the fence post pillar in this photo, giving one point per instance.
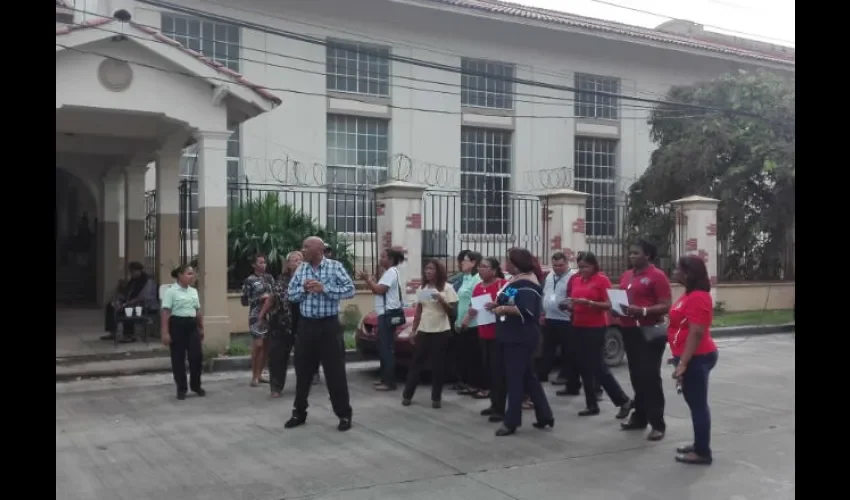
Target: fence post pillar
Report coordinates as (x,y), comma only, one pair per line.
(134,215)
(399,224)
(564,221)
(168,209)
(696,228)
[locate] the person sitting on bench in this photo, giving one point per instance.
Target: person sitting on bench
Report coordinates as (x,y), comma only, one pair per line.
(141,290)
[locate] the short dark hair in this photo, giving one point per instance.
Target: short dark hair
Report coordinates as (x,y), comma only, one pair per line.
(522,259)
(135,266)
(695,273)
(259,256)
(440,275)
(559,256)
(589,258)
(395,256)
(647,248)
(462,254)
(495,265)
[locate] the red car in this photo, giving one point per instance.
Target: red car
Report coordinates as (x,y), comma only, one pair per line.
(366,339)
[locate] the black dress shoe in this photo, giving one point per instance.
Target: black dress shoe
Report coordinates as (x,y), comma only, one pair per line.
(486,412)
(505,431)
(631,425)
(344,424)
(559,381)
(181,395)
(200,392)
(495,418)
(693,459)
(295,421)
(684,450)
(625,410)
(588,412)
(567,392)
(542,424)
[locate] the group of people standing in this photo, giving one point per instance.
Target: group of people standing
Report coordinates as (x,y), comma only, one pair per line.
(507,361)
(504,361)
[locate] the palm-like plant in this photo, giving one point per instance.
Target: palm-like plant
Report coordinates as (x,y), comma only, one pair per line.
(266,225)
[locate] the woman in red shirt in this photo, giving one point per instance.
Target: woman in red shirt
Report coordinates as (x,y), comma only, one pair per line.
(492,281)
(694,352)
(589,302)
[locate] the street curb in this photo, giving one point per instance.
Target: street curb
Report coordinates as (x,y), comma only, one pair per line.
(119,368)
(743,331)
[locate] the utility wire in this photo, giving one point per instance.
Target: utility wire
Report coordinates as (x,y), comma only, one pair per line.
(323,94)
(373,74)
(422,63)
(550,100)
(396,43)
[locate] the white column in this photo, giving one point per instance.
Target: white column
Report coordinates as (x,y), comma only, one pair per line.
(400,226)
(109,267)
(697,229)
(564,222)
(212,235)
(168,206)
(134,215)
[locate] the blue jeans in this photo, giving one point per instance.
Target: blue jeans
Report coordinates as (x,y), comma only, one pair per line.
(386,350)
(695,391)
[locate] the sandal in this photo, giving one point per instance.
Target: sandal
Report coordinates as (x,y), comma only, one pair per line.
(527,405)
(275,395)
(255,383)
(481,395)
(468,391)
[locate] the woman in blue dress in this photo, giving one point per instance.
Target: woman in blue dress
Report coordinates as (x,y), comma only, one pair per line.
(517,308)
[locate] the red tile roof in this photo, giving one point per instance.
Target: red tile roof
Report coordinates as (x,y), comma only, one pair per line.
(159,37)
(565,19)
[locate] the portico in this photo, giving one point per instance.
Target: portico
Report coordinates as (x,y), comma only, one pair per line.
(126,98)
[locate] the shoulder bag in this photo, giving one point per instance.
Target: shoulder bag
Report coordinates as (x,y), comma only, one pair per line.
(396,317)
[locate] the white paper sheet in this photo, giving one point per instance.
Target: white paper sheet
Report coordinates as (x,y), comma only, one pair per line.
(484,316)
(425,295)
(618,299)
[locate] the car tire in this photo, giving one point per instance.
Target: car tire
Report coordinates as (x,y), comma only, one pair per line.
(614,351)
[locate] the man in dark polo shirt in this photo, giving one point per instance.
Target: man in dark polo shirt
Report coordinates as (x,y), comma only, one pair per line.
(649,297)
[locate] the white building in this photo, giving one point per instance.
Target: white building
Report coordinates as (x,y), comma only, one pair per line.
(372,86)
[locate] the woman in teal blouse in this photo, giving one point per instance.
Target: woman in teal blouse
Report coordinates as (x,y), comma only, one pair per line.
(470,371)
(183,331)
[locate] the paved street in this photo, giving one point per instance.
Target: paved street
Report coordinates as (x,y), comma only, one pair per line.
(130,439)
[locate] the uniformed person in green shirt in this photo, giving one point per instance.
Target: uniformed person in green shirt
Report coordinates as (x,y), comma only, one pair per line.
(183,331)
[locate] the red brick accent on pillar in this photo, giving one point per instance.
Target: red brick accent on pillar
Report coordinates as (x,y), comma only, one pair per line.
(702,254)
(414,221)
(387,241)
(579,226)
(691,245)
(711,230)
(555,242)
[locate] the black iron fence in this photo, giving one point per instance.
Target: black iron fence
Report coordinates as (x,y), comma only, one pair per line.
(150,231)
(455,221)
(624,224)
(274,219)
(759,257)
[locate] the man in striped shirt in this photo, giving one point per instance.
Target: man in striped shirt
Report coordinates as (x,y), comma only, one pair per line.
(318,286)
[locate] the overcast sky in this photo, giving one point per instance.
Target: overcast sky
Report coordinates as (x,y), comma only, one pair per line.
(766,20)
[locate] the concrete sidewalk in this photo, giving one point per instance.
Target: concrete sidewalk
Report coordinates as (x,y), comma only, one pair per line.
(128,438)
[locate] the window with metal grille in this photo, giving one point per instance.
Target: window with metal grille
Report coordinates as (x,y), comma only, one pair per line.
(596,175)
(357,150)
(219,42)
(485,179)
(358,68)
(486,84)
(590,104)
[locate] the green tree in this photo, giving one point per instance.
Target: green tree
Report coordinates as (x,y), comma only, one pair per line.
(268,225)
(742,154)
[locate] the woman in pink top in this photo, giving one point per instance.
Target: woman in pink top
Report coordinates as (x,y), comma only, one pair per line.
(694,352)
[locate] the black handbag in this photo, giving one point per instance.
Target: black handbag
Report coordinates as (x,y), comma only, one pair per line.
(396,317)
(653,333)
